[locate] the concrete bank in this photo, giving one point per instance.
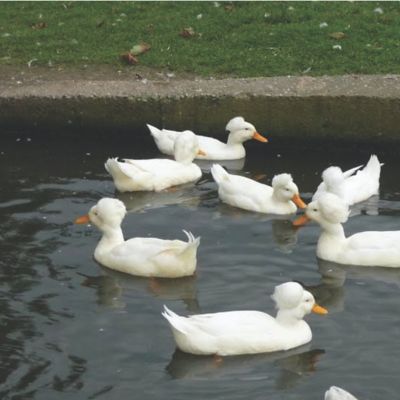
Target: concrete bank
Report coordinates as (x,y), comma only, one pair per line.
(347,107)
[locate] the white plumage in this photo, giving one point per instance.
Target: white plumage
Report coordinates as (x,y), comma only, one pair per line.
(349,187)
(238,191)
(336,393)
(248,332)
(239,132)
(371,248)
(157,174)
(138,256)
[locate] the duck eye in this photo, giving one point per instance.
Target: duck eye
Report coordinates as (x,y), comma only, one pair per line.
(287,189)
(315,209)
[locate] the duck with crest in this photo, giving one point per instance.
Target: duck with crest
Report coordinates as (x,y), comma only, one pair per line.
(158,174)
(351,188)
(239,132)
(151,257)
(248,332)
(371,248)
(238,191)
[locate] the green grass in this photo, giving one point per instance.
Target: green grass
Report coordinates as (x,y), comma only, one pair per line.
(237,40)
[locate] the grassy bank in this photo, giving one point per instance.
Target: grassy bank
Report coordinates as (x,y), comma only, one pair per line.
(237,39)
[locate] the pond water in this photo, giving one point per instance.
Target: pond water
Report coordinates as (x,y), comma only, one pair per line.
(71,329)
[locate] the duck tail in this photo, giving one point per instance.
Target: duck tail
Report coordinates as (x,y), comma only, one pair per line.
(219,174)
(373,167)
(175,320)
(192,244)
(113,168)
(155,132)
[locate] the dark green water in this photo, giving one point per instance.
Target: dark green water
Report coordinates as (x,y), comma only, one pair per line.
(70,329)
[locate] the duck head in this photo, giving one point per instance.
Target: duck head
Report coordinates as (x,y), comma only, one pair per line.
(240,131)
(107,213)
(329,209)
(333,178)
(186,147)
(285,190)
(336,393)
(293,302)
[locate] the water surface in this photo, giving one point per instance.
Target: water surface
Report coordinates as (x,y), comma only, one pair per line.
(71,329)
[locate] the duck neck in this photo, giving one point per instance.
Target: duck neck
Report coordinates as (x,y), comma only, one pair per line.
(288,317)
(184,160)
(234,140)
(111,238)
(335,230)
(277,196)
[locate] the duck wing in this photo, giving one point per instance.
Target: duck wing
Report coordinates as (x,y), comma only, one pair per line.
(233,323)
(156,166)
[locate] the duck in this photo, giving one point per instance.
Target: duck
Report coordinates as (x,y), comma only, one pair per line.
(158,174)
(248,332)
(349,187)
(148,257)
(281,198)
(239,132)
(370,248)
(337,393)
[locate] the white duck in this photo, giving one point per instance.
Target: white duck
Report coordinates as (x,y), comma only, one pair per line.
(336,393)
(139,256)
(245,193)
(380,249)
(239,132)
(351,188)
(248,332)
(158,174)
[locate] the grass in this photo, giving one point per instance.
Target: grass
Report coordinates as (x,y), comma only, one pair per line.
(236,39)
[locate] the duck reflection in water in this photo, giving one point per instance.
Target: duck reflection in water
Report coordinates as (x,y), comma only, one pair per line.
(368,207)
(111,284)
(185,195)
(284,234)
(330,292)
(233,165)
(293,365)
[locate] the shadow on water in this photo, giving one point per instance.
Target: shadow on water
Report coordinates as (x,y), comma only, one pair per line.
(111,285)
(184,195)
(330,291)
(293,366)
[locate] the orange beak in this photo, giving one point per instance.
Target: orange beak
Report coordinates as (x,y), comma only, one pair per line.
(201,153)
(298,201)
(300,221)
(259,137)
(82,220)
(319,310)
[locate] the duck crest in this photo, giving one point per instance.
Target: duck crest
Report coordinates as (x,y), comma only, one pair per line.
(281,180)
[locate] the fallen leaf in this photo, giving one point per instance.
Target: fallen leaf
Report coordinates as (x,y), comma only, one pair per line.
(39,25)
(337,35)
(140,48)
(229,7)
(187,32)
(129,58)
